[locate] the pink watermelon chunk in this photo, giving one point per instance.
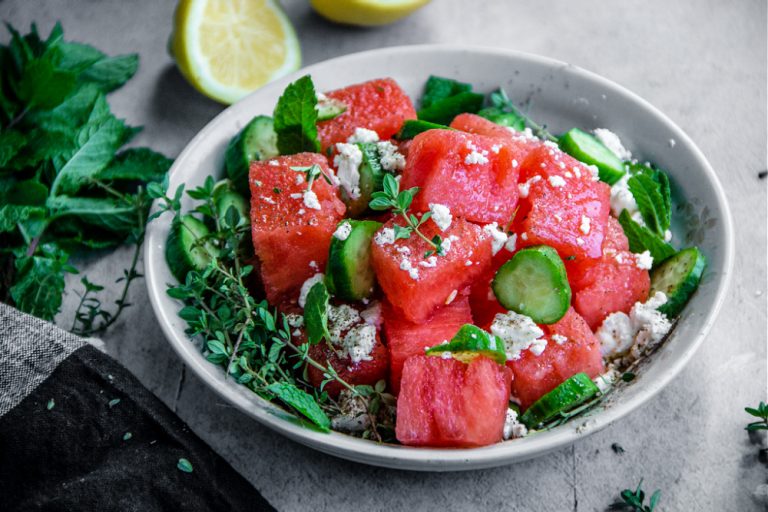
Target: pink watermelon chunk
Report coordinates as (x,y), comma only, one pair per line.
(416,285)
(560,205)
(471,174)
(444,402)
(406,339)
(518,144)
(537,375)
(290,239)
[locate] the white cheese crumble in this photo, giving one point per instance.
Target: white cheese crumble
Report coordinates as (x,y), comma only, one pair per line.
(495,149)
(405,264)
(273,163)
(313,265)
(429,262)
(475,156)
(525,187)
(498,237)
(613,143)
(295,320)
(644,260)
(343,231)
(451,296)
(340,319)
(441,215)
(384,236)
(585,224)
(577,171)
(557,181)
(667,236)
(558,338)
(622,199)
(363,135)
(389,158)
(524,236)
(347,163)
(446,244)
(643,328)
(511,244)
(518,332)
(513,428)
(606,381)
(308,284)
(595,172)
(359,342)
(310,200)
(299,179)
(537,346)
(514,163)
(297,195)
(268,200)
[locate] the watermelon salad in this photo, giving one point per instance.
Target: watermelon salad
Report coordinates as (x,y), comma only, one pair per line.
(452,276)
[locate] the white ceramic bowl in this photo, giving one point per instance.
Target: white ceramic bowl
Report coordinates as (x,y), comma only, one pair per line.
(560,95)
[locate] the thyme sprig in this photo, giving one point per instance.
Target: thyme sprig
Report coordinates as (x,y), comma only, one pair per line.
(392,198)
(313,172)
(500,100)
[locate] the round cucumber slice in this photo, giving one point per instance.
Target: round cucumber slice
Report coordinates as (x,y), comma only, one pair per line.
(573,392)
(349,274)
(224,197)
(534,283)
(183,249)
(678,277)
(257,141)
(586,148)
(469,342)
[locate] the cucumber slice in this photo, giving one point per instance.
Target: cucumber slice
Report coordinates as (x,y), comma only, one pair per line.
(573,392)
(444,110)
(678,277)
(224,197)
(534,283)
(329,108)
(257,141)
(471,341)
(413,127)
(371,179)
(502,118)
(349,274)
(183,249)
(586,148)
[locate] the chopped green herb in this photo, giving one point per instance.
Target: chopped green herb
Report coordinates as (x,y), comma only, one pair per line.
(51,404)
(761,411)
(628,376)
(113,402)
(636,499)
(127,436)
(184,465)
(316,314)
(276,190)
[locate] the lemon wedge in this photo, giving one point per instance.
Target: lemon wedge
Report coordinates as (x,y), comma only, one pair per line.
(229,48)
(366,12)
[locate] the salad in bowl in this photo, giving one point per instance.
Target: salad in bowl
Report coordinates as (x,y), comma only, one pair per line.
(453,276)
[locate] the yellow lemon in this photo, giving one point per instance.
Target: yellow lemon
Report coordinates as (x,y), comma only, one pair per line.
(228,48)
(366,12)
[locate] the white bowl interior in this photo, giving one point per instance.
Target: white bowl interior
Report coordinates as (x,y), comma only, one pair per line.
(558,94)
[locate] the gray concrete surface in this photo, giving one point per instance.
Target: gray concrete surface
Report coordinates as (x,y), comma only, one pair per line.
(701,62)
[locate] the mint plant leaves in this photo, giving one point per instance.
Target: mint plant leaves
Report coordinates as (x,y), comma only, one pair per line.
(65,184)
(295,118)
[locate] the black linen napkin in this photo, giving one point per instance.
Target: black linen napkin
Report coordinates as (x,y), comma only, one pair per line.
(78,432)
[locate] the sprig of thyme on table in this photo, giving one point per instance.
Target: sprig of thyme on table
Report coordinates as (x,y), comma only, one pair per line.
(391,198)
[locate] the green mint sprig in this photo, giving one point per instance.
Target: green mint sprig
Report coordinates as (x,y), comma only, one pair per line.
(295,118)
(636,499)
(761,411)
(391,198)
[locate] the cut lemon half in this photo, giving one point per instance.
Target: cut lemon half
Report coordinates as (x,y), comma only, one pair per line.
(229,48)
(366,12)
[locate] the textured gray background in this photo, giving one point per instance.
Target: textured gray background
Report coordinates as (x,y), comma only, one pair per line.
(701,62)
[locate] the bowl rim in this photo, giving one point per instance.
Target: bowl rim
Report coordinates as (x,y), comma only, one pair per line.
(436,459)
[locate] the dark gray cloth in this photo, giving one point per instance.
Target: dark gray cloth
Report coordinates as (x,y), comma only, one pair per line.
(78,432)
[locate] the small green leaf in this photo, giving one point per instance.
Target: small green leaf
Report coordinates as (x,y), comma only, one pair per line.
(642,239)
(295,118)
(302,402)
(111,72)
(39,282)
(650,203)
(43,85)
(127,436)
(113,402)
(184,465)
(438,88)
(316,313)
(136,164)
(51,404)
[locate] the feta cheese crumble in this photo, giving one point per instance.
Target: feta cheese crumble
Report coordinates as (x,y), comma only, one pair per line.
(475,156)
(389,158)
(622,199)
(429,262)
(268,200)
(644,260)
(441,215)
(525,187)
(557,181)
(511,244)
(518,332)
(405,264)
(613,143)
(359,342)
(343,231)
(606,381)
(558,338)
(537,346)
(446,244)
(451,296)
(310,200)
(585,224)
(635,333)
(513,428)
(308,284)
(384,236)
(347,163)
(363,135)
(498,237)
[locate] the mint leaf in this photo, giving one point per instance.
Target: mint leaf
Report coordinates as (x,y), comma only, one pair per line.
(650,203)
(77,57)
(302,402)
(111,72)
(438,88)
(70,114)
(43,85)
(136,164)
(11,142)
(116,216)
(295,118)
(12,214)
(316,313)
(642,239)
(40,282)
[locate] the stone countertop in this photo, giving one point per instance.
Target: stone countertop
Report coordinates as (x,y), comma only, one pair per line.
(701,62)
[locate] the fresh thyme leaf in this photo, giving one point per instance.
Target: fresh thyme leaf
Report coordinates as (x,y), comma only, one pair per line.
(184,465)
(302,402)
(316,313)
(295,118)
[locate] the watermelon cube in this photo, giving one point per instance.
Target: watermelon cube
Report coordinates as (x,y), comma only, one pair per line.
(291,236)
(444,402)
(406,339)
(378,105)
(416,285)
(571,348)
(561,205)
(472,175)
(518,143)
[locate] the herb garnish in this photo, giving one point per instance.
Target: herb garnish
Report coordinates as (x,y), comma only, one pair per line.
(501,104)
(761,411)
(399,202)
(64,186)
(313,172)
(184,465)
(296,118)
(636,500)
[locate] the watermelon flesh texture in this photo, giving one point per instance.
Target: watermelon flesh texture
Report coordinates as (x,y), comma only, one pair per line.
(518,143)
(291,246)
(559,195)
(482,300)
(363,372)
(406,339)
(379,105)
(471,174)
(444,402)
(536,376)
(426,284)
